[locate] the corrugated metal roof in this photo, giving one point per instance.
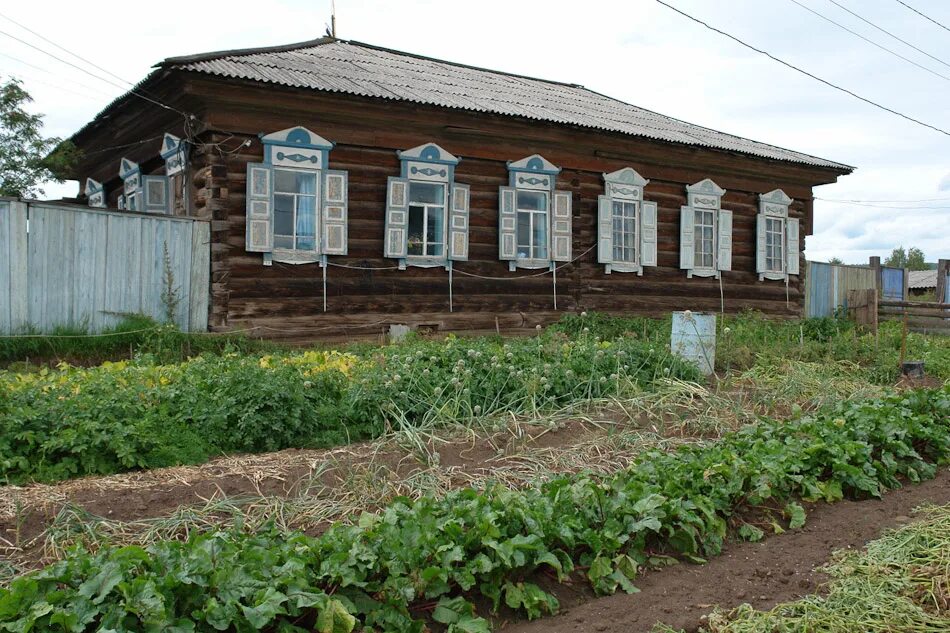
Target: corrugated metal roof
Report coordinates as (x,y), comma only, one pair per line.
(365,70)
(922,279)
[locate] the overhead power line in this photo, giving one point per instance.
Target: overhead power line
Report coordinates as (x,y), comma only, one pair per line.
(926,17)
(806,73)
(885,31)
(65,50)
(92,74)
(904,201)
(870,41)
(884,206)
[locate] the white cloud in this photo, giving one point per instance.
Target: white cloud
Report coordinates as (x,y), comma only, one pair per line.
(638,51)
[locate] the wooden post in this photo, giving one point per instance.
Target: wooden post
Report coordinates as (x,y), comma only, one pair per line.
(875,263)
(905,292)
(943,272)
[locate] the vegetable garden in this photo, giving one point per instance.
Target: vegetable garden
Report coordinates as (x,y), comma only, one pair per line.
(810,418)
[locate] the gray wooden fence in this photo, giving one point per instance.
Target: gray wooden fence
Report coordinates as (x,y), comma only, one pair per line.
(69,265)
(827,286)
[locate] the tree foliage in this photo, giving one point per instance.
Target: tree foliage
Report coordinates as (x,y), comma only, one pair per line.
(27,159)
(836,261)
(911,259)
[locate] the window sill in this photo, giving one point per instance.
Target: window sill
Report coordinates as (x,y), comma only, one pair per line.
(773,276)
(423,262)
(702,272)
(290,256)
(530,264)
(623,267)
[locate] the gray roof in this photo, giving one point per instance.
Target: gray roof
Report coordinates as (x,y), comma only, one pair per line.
(922,279)
(360,69)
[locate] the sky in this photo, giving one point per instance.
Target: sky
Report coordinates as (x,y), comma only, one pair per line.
(638,51)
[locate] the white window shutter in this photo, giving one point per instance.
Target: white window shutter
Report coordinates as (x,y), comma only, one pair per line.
(155,194)
(507,220)
(791,242)
(260,208)
(760,266)
(561,236)
(335,212)
(397,217)
(687,239)
(724,254)
(458,223)
(648,226)
(605,230)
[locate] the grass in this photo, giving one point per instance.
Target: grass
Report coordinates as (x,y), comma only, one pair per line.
(132,336)
(899,582)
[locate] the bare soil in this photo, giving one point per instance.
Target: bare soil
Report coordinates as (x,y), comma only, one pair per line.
(777,569)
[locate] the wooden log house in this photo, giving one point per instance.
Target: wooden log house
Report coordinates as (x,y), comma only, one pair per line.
(351,187)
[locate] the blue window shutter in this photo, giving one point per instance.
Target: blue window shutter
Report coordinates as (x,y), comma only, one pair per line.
(397,218)
(458,223)
(507,221)
(335,212)
(259,234)
(724,252)
(605,230)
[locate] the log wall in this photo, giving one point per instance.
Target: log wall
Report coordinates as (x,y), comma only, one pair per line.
(287,301)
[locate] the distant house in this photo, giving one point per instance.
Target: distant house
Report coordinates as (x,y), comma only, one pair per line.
(922,282)
(350,186)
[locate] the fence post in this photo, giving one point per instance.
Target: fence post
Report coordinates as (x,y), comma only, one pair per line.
(905,292)
(875,263)
(943,281)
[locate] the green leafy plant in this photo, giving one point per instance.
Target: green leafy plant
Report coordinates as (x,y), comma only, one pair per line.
(448,551)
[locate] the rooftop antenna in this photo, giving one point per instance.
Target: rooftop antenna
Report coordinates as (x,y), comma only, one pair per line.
(333,19)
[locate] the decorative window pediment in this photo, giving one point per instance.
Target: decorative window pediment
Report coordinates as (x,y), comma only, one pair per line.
(296,206)
(427,212)
(146,194)
(777,237)
(534,218)
(626,224)
(705,231)
(95,193)
(174,154)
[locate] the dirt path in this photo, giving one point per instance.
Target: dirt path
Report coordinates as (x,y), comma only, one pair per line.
(778,569)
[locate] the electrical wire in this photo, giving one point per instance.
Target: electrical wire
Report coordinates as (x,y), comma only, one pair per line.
(34,80)
(870,41)
(65,50)
(919,200)
(885,31)
(83,86)
(805,72)
(886,206)
(926,17)
(91,74)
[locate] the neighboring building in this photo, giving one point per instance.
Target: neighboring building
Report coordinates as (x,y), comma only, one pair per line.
(350,187)
(922,282)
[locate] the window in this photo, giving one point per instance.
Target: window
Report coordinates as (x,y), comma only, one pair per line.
(625,231)
(426,219)
(140,192)
(774,245)
(534,219)
(705,231)
(296,207)
(426,210)
(532,225)
(626,224)
(704,228)
(777,237)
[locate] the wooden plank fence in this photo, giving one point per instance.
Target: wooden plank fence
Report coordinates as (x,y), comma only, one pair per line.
(68,265)
(925,317)
(867,309)
(827,286)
